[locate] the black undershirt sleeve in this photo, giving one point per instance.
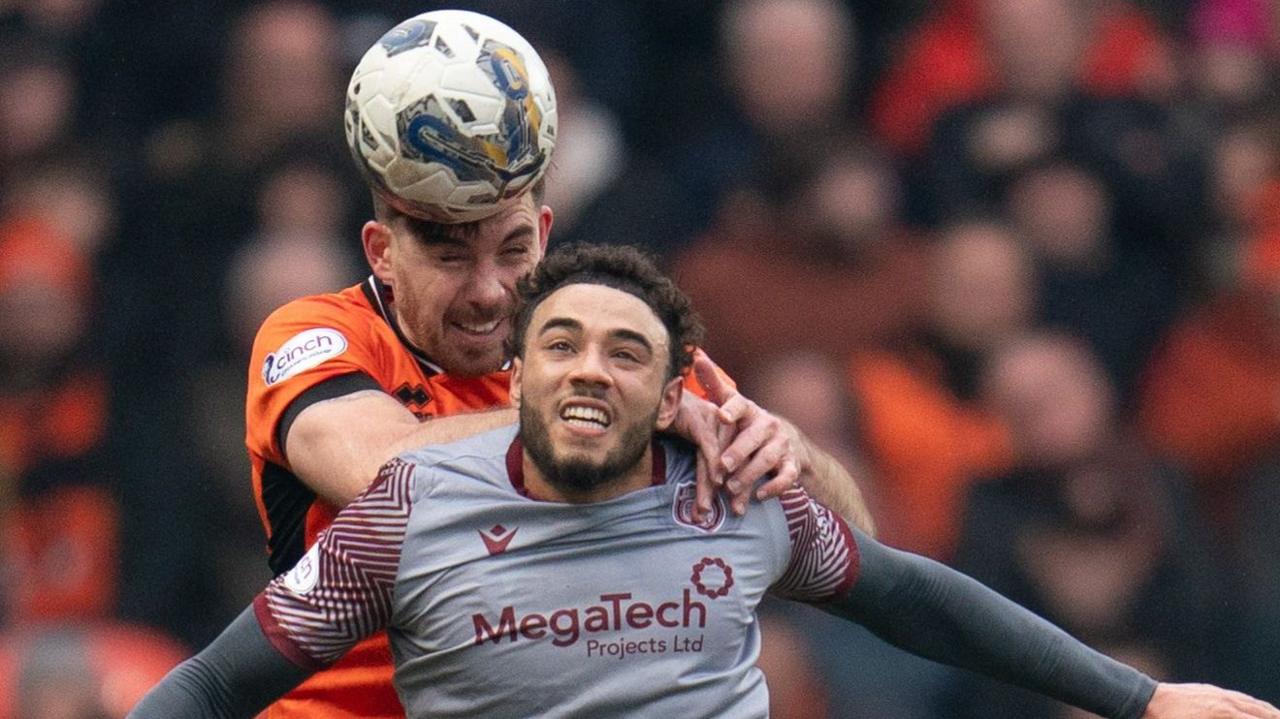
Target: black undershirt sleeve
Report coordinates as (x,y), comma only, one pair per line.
(237,675)
(331,388)
(935,612)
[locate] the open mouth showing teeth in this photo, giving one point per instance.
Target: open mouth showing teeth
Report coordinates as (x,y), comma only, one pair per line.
(590,417)
(478,329)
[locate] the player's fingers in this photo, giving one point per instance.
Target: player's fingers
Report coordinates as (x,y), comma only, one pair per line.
(717,389)
(763,448)
(747,442)
(736,409)
(738,493)
(784,480)
(1257,707)
(1243,701)
(703,490)
(708,435)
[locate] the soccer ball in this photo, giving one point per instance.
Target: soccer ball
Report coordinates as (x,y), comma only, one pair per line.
(450,115)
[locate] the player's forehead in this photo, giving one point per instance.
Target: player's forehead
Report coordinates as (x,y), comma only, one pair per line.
(596,309)
(515,223)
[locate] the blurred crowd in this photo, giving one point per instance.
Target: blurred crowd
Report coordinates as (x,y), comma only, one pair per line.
(1015,262)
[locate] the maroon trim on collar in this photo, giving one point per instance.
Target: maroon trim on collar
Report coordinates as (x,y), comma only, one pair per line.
(515,467)
(659,464)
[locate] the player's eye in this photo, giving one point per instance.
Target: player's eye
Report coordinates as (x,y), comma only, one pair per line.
(627,356)
(560,346)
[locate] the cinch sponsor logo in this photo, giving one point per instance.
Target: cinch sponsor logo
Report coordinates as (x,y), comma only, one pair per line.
(614,613)
(302,352)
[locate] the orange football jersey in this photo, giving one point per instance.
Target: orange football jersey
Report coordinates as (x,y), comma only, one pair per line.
(350,337)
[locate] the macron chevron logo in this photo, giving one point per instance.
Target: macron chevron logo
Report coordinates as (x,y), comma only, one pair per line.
(497,538)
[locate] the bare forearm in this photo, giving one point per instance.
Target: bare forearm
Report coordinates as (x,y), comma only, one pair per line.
(337,446)
(827,481)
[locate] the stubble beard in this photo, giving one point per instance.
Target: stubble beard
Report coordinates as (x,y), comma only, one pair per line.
(428,337)
(578,475)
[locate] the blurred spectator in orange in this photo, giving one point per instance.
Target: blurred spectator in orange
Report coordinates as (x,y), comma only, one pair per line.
(81,440)
(1118,299)
(973,49)
(816,665)
(1090,530)
(52,404)
(1211,396)
(924,437)
(1045,107)
(70,190)
(796,686)
(58,547)
(86,671)
(59,550)
(823,265)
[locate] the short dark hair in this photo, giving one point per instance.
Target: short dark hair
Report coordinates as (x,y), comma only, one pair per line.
(436,232)
(621,267)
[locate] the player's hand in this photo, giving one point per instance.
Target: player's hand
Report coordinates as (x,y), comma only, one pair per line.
(756,442)
(699,422)
(1203,701)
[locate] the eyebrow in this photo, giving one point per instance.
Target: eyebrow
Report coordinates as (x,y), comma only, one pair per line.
(632,336)
(437,241)
(519,233)
(560,323)
(573,325)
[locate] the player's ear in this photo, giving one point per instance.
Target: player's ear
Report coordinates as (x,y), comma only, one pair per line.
(376,238)
(671,395)
(545,217)
(516,375)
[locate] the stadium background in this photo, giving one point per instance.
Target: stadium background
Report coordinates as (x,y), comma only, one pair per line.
(1017,262)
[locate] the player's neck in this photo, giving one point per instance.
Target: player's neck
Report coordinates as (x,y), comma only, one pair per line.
(539,487)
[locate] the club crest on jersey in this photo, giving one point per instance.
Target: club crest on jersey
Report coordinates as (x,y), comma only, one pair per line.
(682,509)
(303,351)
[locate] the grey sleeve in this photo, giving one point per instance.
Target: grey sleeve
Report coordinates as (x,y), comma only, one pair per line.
(935,612)
(237,675)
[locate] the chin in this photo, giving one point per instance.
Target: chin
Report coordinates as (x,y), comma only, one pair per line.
(475,365)
(579,474)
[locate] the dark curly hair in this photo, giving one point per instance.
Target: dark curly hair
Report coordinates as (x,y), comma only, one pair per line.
(621,267)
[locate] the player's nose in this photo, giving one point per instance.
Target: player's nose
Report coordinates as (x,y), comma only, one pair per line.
(589,368)
(488,289)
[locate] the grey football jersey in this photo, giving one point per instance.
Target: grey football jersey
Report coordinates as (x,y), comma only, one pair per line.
(501,605)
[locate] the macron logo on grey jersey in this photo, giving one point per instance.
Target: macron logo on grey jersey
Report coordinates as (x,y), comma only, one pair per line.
(497,538)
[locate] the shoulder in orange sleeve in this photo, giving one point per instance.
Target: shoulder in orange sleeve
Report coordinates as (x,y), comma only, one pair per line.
(302,344)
